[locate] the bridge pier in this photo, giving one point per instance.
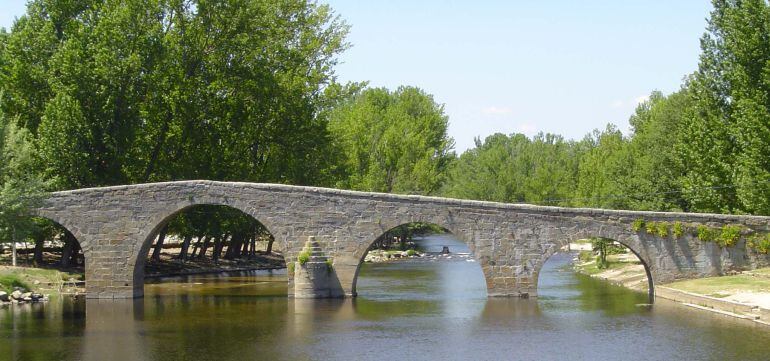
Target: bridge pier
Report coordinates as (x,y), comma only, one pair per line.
(314,275)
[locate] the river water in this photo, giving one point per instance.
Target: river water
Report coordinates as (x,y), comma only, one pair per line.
(430,309)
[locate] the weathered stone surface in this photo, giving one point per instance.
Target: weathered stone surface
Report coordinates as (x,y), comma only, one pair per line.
(116,226)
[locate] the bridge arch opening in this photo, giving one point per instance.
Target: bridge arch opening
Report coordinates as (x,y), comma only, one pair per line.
(417,259)
(50,245)
(596,267)
(209,243)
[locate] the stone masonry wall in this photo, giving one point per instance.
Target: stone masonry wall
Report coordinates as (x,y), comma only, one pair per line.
(116,226)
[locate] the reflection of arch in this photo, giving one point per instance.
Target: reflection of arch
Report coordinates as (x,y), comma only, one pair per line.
(362,251)
(162,220)
(631,242)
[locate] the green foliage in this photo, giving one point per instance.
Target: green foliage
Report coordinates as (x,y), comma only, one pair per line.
(9,281)
(638,225)
(707,234)
(21,186)
(678,230)
(291,267)
(661,229)
(392,141)
(516,169)
(411,252)
(651,227)
(135,91)
(303,257)
(585,256)
(329,264)
(600,246)
(726,130)
(761,243)
(729,236)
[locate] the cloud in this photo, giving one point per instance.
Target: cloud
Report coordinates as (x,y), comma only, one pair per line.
(496,110)
(641,99)
(618,104)
(528,129)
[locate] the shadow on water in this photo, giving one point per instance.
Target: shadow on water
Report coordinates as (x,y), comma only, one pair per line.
(424,310)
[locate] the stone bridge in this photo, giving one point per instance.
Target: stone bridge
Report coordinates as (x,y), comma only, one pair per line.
(117,225)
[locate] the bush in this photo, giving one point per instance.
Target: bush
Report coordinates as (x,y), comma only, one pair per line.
(678,230)
(760,243)
(729,236)
(585,256)
(303,257)
(651,227)
(329,264)
(706,234)
(411,252)
(291,267)
(661,229)
(638,225)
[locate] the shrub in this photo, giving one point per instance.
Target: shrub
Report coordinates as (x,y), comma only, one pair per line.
(638,225)
(651,227)
(291,267)
(706,234)
(661,229)
(303,257)
(760,243)
(329,264)
(411,252)
(678,230)
(585,256)
(729,236)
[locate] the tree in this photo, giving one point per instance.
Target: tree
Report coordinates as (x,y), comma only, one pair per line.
(133,91)
(726,136)
(604,168)
(392,141)
(21,189)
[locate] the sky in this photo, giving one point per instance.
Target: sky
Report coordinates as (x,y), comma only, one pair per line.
(564,67)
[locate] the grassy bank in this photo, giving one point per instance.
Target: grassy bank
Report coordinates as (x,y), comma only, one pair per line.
(46,281)
(621,269)
(724,286)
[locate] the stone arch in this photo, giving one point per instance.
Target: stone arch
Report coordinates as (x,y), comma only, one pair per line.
(155,224)
(441,221)
(629,240)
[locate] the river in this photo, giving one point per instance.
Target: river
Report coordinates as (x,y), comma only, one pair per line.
(429,309)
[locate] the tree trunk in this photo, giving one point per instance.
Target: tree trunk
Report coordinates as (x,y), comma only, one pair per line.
(246,245)
(185,247)
(39,241)
(218,245)
(270,241)
(204,247)
(13,246)
(235,246)
(67,250)
(159,245)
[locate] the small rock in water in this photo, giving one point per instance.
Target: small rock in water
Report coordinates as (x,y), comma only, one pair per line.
(16,295)
(4,296)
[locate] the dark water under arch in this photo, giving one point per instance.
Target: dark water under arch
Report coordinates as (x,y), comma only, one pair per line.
(424,310)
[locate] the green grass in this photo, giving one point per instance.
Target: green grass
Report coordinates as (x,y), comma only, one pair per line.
(11,277)
(9,281)
(724,285)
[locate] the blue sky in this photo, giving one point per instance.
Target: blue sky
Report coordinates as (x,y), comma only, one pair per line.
(563,67)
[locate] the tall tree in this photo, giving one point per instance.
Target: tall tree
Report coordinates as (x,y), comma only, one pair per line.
(21,188)
(392,141)
(726,138)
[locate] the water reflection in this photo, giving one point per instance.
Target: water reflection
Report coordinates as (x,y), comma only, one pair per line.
(411,310)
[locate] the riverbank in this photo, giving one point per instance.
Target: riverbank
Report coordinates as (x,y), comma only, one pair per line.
(381,255)
(743,296)
(169,265)
(50,282)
